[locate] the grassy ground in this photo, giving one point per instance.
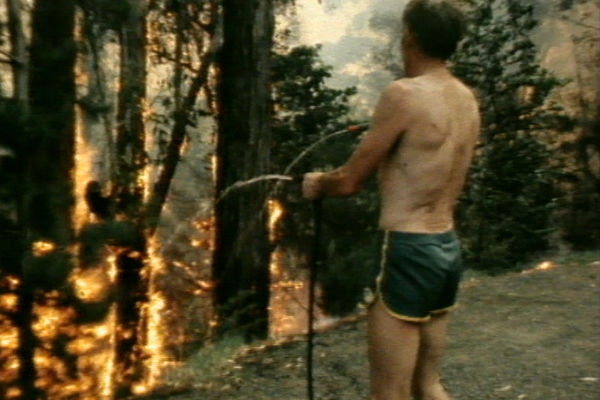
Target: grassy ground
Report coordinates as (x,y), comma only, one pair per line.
(530,335)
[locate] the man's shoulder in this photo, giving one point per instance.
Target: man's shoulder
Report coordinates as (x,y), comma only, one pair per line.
(402,85)
(399,92)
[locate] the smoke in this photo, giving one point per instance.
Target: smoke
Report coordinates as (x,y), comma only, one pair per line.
(359,38)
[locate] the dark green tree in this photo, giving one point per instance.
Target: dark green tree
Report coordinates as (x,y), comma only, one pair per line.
(307,111)
(506,213)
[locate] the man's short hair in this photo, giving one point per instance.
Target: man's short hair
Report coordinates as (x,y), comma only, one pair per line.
(436,25)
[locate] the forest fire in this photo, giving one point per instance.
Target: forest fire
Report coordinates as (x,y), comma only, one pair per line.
(91,347)
(289,291)
(77,329)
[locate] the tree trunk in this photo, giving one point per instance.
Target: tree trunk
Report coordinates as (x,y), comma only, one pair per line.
(47,197)
(132,283)
(241,258)
(18,45)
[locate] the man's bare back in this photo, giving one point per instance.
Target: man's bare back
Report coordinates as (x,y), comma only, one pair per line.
(421,140)
(424,173)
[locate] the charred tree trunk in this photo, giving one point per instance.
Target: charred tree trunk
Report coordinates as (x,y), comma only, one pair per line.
(47,211)
(132,283)
(11,243)
(241,258)
(47,193)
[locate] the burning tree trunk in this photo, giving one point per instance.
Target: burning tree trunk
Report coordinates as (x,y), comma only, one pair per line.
(130,215)
(11,245)
(241,259)
(132,283)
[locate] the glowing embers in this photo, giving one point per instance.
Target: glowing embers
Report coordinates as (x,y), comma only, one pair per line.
(204,235)
(42,248)
(9,303)
(53,328)
(9,365)
(93,284)
(9,337)
(152,320)
(543,266)
(52,321)
(546,265)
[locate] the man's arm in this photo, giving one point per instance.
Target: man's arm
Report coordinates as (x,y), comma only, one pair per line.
(390,120)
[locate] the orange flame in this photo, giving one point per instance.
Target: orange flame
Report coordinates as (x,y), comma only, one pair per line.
(92,285)
(42,248)
(276,212)
(153,312)
(546,265)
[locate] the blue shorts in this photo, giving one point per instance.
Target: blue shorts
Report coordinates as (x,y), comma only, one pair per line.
(420,274)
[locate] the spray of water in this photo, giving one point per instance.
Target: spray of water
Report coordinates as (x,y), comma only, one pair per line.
(312,147)
(241,184)
(287,171)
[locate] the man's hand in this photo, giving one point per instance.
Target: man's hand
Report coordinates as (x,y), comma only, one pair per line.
(311,186)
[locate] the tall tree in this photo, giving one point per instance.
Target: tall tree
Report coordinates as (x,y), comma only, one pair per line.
(307,111)
(19,55)
(47,192)
(129,216)
(132,283)
(241,257)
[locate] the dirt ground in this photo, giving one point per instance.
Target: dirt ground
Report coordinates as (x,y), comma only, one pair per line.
(531,335)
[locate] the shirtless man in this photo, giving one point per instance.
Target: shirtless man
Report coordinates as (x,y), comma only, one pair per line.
(421,141)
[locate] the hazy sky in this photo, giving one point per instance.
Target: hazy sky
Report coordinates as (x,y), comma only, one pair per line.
(345,29)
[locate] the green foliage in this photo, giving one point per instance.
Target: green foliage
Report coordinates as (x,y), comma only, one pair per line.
(94,237)
(505,215)
(206,365)
(306,110)
(47,272)
(107,14)
(351,254)
(239,311)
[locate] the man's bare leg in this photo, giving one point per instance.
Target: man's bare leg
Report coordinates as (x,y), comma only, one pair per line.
(393,352)
(427,385)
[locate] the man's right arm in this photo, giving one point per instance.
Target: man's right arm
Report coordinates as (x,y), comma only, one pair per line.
(390,120)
